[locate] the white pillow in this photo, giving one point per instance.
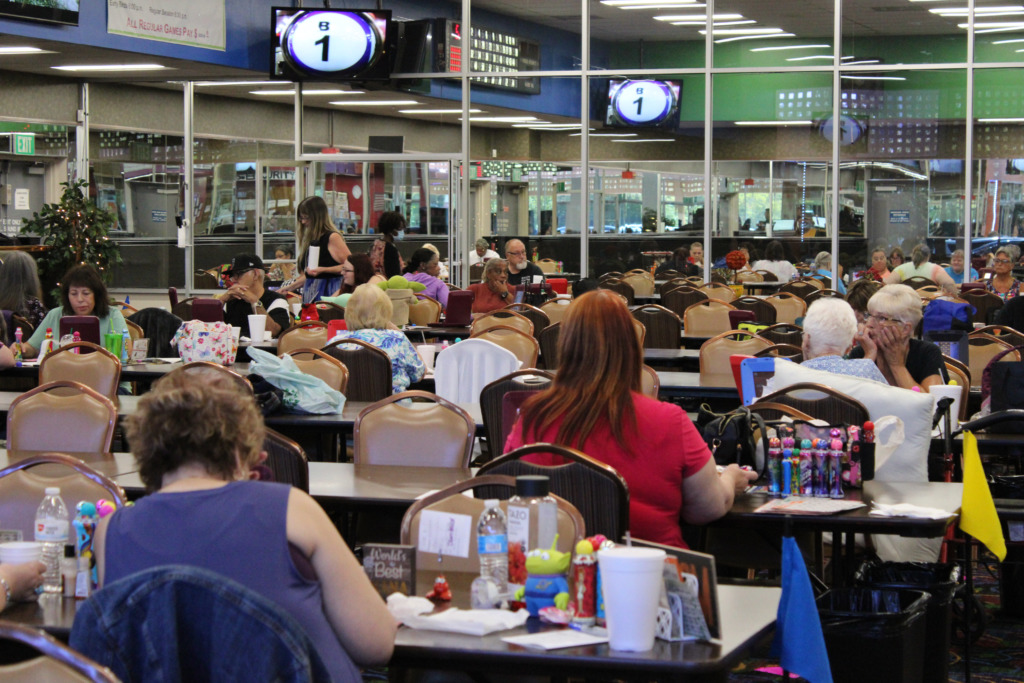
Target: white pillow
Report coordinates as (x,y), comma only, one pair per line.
(909,462)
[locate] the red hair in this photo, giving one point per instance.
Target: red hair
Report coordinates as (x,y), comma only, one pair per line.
(599,365)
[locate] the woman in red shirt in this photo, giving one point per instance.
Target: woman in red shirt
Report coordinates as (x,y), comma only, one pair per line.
(594,404)
(493,293)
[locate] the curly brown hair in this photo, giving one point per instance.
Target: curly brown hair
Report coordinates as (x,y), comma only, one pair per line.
(188,418)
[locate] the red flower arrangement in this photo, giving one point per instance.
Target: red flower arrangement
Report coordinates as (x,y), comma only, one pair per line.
(735,260)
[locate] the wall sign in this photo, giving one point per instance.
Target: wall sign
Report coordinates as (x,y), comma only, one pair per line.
(899,216)
(200,23)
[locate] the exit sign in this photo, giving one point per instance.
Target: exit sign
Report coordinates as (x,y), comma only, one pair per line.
(24,144)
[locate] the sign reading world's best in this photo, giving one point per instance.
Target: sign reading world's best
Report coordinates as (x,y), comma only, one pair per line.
(200,23)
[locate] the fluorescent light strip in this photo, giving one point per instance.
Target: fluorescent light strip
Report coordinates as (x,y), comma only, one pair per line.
(1004,29)
(202,84)
(804,59)
(994,24)
(874,78)
(606,135)
(306,92)
(438,111)
(964,11)
(1015,13)
(773,123)
(540,125)
(635,142)
(1002,120)
(110,67)
(625,4)
(1005,42)
(503,119)
(745,31)
(23,50)
(659,5)
(732,40)
(717,23)
(697,17)
(376,103)
(789,47)
(862,61)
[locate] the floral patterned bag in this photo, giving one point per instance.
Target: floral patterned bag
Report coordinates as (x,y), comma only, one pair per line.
(200,341)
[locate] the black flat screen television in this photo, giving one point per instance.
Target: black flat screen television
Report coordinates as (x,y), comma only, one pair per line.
(330,45)
(60,12)
(643,103)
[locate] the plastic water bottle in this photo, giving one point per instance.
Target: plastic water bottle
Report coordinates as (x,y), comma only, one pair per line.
(492,545)
(52,532)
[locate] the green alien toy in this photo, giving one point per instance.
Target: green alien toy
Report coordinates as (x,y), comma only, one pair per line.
(546,583)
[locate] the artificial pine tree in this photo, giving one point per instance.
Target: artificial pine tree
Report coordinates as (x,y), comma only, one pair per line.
(76,230)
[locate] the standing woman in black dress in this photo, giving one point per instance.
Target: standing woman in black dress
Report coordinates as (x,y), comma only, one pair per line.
(316,230)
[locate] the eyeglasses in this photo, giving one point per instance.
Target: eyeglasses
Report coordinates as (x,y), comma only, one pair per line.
(882,319)
(1002,261)
(348,270)
(517,253)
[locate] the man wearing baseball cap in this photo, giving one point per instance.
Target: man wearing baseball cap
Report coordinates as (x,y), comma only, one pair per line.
(247,296)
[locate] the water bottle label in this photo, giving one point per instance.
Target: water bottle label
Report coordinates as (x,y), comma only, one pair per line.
(487,545)
(51,530)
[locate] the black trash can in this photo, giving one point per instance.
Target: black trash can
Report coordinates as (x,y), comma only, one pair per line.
(941,581)
(874,634)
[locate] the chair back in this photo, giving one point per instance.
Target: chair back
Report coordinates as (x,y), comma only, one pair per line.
(172,296)
(188,608)
(392,433)
(318,364)
(769,410)
(960,372)
(718,290)
(536,316)
(610,275)
(548,341)
(767,276)
(524,346)
(620,287)
(650,383)
(642,283)
(62,416)
(985,304)
(183,309)
(159,327)
(788,307)
(204,279)
(929,292)
(555,310)
(800,288)
(749,276)
(462,370)
(821,402)
(571,527)
(679,298)
(707,318)
(134,330)
(213,372)
(22,487)
(95,367)
(672,283)
(491,402)
(311,334)
(286,460)
(764,312)
(783,333)
(503,317)
(58,663)
(794,353)
(597,490)
(426,310)
(327,311)
(981,349)
(208,310)
(663,327)
(369,369)
(822,294)
(476,272)
(918,281)
(547,265)
(715,367)
(1002,333)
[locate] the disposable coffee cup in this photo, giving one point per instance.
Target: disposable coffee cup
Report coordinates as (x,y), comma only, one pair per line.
(314,257)
(537,279)
(427,353)
(631,585)
(236,332)
(257,327)
(19,552)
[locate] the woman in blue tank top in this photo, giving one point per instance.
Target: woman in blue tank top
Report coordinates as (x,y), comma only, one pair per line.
(195,440)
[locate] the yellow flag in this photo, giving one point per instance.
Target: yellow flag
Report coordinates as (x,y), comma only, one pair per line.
(978,515)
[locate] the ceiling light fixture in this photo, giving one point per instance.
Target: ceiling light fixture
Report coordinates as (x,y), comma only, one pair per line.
(964,11)
(438,111)
(862,61)
(110,67)
(207,84)
(773,123)
(789,47)
(717,23)
(306,92)
(1005,25)
(1002,120)
(21,50)
(626,4)
(702,18)
(376,103)
(745,31)
(755,37)
(873,78)
(804,59)
(649,140)
(502,119)
(606,135)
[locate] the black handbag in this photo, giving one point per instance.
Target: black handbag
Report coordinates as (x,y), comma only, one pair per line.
(733,436)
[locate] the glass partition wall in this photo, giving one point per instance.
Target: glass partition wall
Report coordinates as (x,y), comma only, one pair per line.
(604,135)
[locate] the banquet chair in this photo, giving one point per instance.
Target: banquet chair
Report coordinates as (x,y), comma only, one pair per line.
(571,527)
(547,265)
(327,311)
(310,334)
(213,372)
(695,280)
(682,297)
(491,402)
(369,369)
(167,623)
(286,460)
(462,370)
(767,276)
(771,411)
(824,403)
(821,294)
(929,292)
(622,288)
(597,490)
(641,331)
(718,278)
(981,349)
(663,327)
(918,281)
(642,283)
(390,432)
(504,318)
(318,364)
(426,310)
(962,374)
(548,341)
(63,416)
(1002,333)
(96,368)
(672,283)
(715,367)
(669,274)
(476,272)
(801,288)
(159,327)
(125,308)
(134,331)
(610,275)
(749,276)
(208,310)
(555,310)
(985,303)
(793,353)
(707,318)
(718,290)
(650,384)
(524,346)
(764,312)
(784,333)
(172,296)
(57,662)
(183,309)
(23,483)
(788,307)
(535,315)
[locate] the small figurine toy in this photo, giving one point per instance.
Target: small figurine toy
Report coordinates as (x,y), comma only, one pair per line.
(546,582)
(440,591)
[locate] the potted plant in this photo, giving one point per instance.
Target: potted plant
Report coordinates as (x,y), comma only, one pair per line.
(76,231)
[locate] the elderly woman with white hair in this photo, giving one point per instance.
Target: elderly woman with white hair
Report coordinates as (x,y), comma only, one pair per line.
(830,327)
(823,267)
(893,314)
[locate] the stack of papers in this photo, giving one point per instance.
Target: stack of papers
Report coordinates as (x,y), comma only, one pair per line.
(809,506)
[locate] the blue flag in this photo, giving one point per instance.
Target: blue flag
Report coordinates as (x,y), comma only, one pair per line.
(799,643)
